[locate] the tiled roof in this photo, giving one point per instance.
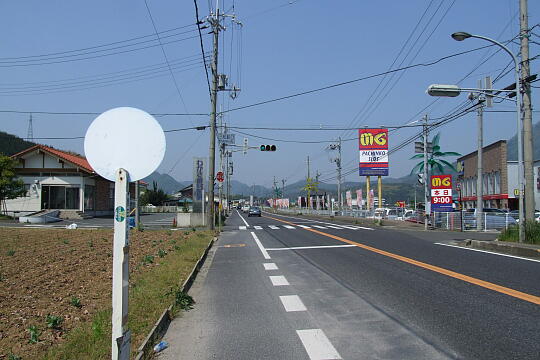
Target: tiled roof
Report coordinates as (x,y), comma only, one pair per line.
(78,161)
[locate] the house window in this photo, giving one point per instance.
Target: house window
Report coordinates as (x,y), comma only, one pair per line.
(59,197)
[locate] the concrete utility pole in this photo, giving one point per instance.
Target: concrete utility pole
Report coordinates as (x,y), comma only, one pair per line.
(283,188)
(528,146)
(214,22)
(479,155)
(426,133)
(338,164)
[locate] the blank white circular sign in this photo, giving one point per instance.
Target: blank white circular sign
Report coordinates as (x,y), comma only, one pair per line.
(126,138)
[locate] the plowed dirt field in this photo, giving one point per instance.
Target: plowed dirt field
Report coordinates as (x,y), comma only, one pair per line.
(46,271)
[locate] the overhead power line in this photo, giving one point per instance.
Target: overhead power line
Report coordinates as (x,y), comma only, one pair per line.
(201,127)
(425,64)
(121,77)
(202,47)
(93,54)
(165,56)
(90,113)
(2,59)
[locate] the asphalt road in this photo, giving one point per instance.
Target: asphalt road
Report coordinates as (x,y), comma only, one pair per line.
(282,287)
(158,220)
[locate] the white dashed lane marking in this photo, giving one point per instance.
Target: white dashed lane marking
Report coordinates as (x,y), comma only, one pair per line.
(270,266)
(317,344)
(292,303)
(279,280)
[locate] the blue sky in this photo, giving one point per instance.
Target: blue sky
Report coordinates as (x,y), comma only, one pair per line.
(287,47)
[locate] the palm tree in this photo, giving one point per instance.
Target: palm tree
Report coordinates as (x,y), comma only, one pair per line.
(434,158)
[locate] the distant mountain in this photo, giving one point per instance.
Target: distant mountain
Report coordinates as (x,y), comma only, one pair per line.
(512,145)
(165,182)
(11,144)
(241,189)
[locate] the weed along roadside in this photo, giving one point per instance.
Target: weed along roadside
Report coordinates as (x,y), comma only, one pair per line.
(55,288)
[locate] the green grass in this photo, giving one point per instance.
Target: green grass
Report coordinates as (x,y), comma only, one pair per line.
(532,233)
(151,292)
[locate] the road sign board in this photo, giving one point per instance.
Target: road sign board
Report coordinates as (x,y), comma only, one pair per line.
(373,148)
(226,138)
(119,139)
(219,176)
(441,193)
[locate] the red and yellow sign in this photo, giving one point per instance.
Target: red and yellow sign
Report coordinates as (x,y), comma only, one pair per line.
(373,147)
(441,193)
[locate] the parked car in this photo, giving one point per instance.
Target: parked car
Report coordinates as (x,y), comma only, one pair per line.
(407,215)
(386,213)
(254,211)
(495,219)
(536,216)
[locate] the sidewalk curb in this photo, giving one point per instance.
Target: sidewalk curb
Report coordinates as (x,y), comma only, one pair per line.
(503,247)
(146,349)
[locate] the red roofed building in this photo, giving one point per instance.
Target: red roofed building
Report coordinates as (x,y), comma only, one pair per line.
(60,180)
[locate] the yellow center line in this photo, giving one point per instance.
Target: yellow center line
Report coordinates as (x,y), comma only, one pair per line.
(485,284)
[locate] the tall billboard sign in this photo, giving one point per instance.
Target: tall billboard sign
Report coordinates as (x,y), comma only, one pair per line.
(199,174)
(441,193)
(373,146)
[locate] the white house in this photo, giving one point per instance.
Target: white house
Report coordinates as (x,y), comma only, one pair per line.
(60,180)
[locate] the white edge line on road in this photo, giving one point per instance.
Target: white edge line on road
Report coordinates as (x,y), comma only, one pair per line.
(485,251)
(241,217)
(292,303)
(263,250)
(279,280)
(317,344)
(310,247)
(270,266)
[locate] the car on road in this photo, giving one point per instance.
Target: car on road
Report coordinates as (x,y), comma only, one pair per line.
(245,208)
(254,211)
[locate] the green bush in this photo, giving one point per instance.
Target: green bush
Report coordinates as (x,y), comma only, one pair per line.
(532,233)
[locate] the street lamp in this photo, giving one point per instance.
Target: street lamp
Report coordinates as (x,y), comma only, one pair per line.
(460,36)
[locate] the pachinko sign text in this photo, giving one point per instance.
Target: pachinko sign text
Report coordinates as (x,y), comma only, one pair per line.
(373,152)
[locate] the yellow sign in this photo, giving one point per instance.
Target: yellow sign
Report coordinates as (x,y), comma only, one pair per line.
(516,192)
(368,139)
(437,181)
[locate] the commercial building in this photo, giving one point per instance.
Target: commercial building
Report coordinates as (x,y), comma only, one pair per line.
(499,176)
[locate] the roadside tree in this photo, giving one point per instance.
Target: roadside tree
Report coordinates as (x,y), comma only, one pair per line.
(10,186)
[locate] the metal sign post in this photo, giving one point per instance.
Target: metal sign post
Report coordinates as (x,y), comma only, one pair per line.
(104,147)
(121,339)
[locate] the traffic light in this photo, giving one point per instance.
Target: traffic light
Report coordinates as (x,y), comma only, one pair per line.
(421,178)
(268,147)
